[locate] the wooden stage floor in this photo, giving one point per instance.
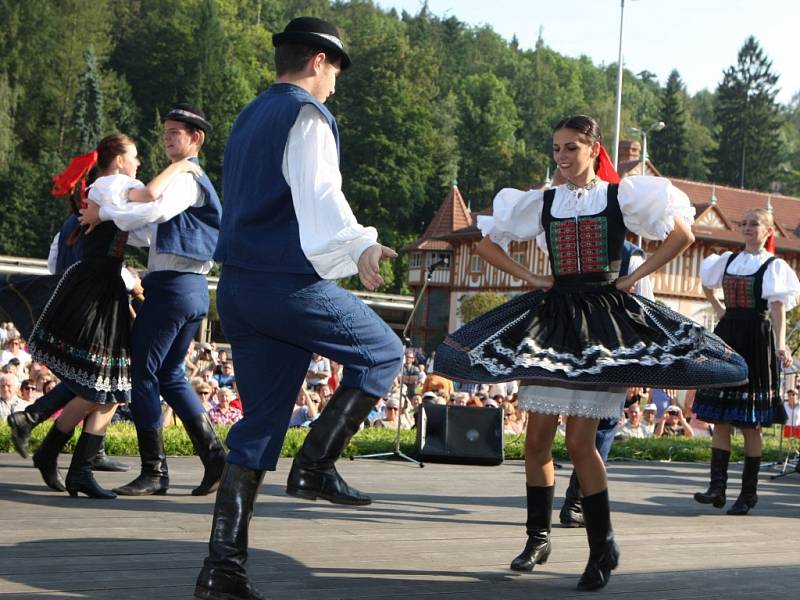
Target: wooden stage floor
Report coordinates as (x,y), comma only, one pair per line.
(443,532)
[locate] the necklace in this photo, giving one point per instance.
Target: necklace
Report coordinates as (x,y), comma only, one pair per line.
(574,187)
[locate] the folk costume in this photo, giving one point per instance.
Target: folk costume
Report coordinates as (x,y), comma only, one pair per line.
(750,283)
(287,233)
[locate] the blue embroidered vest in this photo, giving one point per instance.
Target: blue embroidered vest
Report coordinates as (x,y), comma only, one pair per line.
(193,233)
(259,228)
(68,254)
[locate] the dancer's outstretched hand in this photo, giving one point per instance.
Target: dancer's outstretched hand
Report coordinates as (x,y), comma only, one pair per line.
(369,265)
(89,216)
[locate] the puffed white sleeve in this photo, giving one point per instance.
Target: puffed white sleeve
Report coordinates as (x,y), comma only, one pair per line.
(516,215)
(781,284)
(113,191)
(650,206)
(712,269)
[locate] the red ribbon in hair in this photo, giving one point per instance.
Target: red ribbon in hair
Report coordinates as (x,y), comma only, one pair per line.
(605,168)
(64,183)
(769,246)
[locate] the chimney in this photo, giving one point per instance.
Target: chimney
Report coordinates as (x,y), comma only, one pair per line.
(629,151)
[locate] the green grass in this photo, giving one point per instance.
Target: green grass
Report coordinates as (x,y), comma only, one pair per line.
(121,440)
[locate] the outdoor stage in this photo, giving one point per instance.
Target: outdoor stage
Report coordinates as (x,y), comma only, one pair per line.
(440,532)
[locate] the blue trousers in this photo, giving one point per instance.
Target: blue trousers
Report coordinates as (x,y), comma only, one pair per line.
(274,321)
(604,436)
(174,306)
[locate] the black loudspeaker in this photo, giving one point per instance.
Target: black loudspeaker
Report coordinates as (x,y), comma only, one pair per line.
(460,434)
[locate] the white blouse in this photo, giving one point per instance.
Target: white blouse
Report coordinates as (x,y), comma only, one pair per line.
(780,282)
(112,190)
(649,208)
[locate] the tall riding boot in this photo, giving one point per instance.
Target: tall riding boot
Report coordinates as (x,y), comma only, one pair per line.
(223,576)
(79,476)
(571,514)
(23,422)
(209,449)
(540,511)
(46,457)
(102,462)
(715,494)
(747,497)
(603,550)
(154,476)
(313,474)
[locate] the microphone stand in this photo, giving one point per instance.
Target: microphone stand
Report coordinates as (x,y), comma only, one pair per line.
(404,386)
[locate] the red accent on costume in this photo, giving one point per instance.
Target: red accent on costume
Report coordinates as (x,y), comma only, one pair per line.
(605,170)
(64,183)
(770,245)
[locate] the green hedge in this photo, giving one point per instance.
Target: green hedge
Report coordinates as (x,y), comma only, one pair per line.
(121,440)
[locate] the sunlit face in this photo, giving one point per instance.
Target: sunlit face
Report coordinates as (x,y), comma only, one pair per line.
(755,229)
(129,162)
(574,154)
(179,142)
(329,70)
(634,415)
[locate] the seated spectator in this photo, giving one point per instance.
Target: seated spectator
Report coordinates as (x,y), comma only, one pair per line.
(14,347)
(207,375)
(305,408)
(634,427)
(319,371)
(27,391)
(423,375)
(222,358)
(649,417)
(440,385)
(476,400)
(459,399)
(225,377)
(410,373)
(792,407)
(48,383)
(699,427)
(190,367)
(672,423)
(10,402)
(223,413)
(15,368)
(205,359)
(390,421)
(204,393)
(237,400)
(511,423)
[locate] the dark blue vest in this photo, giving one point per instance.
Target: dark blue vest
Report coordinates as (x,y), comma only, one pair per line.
(259,228)
(193,233)
(68,254)
(629,249)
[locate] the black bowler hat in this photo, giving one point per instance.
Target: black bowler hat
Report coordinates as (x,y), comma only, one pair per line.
(313,32)
(188,114)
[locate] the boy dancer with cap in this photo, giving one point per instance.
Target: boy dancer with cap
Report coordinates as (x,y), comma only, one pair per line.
(286,234)
(181,228)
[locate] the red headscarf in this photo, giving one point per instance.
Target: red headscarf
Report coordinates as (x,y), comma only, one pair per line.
(78,168)
(769,246)
(605,168)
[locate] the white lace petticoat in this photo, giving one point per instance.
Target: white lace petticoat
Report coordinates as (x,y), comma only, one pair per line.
(598,404)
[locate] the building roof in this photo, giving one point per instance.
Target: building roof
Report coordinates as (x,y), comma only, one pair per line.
(452,215)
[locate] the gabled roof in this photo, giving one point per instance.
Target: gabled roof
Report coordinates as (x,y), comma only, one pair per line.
(634,167)
(452,215)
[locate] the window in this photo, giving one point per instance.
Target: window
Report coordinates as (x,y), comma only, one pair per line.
(476,264)
(414,260)
(441,258)
(519,257)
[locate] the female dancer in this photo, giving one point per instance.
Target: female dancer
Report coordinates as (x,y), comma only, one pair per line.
(82,333)
(758,288)
(584,340)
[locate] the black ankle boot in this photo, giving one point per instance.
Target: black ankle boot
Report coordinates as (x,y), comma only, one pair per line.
(715,494)
(540,511)
(154,476)
(46,457)
(571,514)
(223,576)
(747,497)
(209,449)
(102,462)
(313,474)
(23,422)
(79,476)
(603,550)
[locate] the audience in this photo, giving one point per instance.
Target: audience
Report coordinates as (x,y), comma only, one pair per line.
(9,399)
(223,413)
(673,423)
(634,427)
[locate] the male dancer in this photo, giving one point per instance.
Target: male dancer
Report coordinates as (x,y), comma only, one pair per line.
(286,234)
(62,255)
(182,237)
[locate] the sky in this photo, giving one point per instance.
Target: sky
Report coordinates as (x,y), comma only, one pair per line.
(699,38)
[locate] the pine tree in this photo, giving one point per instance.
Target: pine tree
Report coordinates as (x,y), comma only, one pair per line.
(87,116)
(669,148)
(748,117)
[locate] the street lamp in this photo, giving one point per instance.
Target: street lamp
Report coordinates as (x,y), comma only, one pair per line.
(618,112)
(657,126)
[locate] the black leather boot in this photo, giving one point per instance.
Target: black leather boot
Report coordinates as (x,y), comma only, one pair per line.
(747,497)
(79,476)
(603,550)
(209,449)
(154,476)
(313,474)
(223,576)
(715,494)
(22,423)
(571,514)
(46,457)
(101,462)
(540,511)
